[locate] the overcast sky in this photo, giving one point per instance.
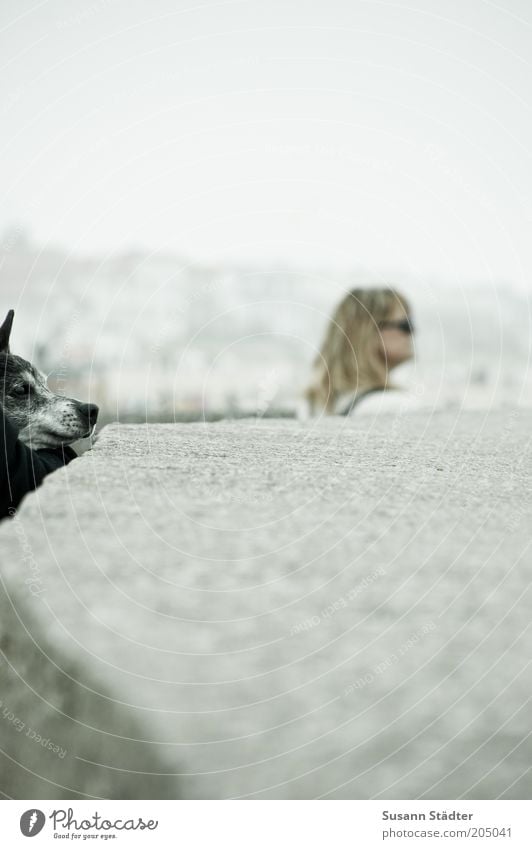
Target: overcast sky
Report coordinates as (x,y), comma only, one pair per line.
(383,135)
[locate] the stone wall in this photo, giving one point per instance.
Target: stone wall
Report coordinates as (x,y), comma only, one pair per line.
(253,609)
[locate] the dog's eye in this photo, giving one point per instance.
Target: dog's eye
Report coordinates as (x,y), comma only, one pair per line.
(22,390)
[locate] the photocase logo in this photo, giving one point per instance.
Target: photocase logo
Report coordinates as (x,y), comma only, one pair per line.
(32,822)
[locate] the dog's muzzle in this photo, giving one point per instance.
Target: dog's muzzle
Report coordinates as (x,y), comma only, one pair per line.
(89,415)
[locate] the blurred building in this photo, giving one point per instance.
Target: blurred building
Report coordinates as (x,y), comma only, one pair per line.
(152,334)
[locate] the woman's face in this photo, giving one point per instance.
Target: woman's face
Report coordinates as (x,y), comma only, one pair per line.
(396,343)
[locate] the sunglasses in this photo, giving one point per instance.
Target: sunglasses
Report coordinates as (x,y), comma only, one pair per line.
(404,325)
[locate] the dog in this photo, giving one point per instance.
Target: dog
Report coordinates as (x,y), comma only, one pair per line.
(42,418)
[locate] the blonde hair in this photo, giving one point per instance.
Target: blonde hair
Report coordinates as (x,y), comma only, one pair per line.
(349,359)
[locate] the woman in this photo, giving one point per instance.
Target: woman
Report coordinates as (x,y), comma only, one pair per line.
(369,334)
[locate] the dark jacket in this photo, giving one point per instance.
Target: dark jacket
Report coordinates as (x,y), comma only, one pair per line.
(22,469)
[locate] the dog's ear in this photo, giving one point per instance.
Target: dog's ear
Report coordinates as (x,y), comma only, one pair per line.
(5,332)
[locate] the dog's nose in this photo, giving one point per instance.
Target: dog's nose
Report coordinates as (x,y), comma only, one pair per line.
(89,412)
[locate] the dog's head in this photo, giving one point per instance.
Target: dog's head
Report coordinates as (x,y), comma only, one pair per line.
(42,418)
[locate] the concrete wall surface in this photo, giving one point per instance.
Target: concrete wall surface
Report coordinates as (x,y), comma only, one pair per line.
(269,609)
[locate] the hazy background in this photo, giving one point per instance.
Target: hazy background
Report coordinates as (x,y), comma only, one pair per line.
(187,189)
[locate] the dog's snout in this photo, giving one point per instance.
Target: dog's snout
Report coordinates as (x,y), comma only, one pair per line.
(89,412)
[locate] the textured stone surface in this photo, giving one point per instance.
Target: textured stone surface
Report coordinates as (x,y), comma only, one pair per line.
(56,725)
(336,609)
